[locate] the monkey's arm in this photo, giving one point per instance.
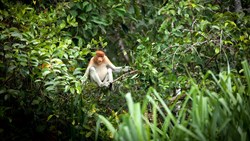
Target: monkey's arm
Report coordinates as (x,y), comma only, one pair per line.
(86,74)
(114,68)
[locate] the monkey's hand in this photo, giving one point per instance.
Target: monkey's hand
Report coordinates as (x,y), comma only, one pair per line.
(84,79)
(126,68)
(105,84)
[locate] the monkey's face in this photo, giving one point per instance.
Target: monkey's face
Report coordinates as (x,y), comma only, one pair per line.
(99,57)
(99,60)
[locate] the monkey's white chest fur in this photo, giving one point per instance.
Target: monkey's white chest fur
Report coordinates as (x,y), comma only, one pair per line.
(102,71)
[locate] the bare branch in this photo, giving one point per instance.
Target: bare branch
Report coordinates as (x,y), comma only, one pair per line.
(122,46)
(125,74)
(177,97)
(237,5)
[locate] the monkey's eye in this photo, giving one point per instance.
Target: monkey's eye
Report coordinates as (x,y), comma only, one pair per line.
(100,58)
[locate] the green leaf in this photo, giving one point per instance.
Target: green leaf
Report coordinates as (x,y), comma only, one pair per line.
(49,117)
(84,4)
(46,73)
(215,7)
(50,88)
(108,124)
(77,71)
(120,11)
(72,90)
(17,45)
(73,13)
(62,25)
(83,17)
(3,90)
(77,5)
(130,103)
(88,8)
(16,34)
(78,87)
(101,22)
(216,27)
(204,24)
(35,102)
(172,12)
(67,87)
(88,134)
(217,50)
(247,74)
(188,132)
(80,42)
(11,68)
(49,83)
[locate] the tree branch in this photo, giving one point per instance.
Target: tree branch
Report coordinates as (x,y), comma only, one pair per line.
(237,5)
(122,46)
(177,97)
(125,54)
(125,74)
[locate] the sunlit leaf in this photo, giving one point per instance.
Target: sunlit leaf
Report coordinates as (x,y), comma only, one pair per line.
(46,73)
(16,34)
(49,117)
(217,50)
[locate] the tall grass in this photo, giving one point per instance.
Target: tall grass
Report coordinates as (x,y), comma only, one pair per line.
(217,109)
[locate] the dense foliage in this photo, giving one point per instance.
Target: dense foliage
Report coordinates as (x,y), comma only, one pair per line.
(190,73)
(204,114)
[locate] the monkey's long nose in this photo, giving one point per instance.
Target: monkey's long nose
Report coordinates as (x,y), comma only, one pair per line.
(99,61)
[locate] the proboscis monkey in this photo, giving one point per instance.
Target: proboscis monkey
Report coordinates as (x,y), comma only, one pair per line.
(100,70)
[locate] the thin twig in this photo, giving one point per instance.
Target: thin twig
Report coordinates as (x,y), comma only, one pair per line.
(125,74)
(177,97)
(209,61)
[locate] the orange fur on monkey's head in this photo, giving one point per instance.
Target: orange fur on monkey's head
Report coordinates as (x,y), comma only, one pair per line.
(99,57)
(99,53)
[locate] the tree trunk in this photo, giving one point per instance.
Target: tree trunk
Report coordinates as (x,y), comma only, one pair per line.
(237,5)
